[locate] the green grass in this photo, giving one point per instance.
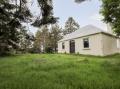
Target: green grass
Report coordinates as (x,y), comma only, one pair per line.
(59,71)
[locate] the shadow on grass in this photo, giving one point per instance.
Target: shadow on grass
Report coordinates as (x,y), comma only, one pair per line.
(9,55)
(93,56)
(112,56)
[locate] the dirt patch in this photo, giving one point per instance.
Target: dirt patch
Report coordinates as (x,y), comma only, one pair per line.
(85,60)
(39,60)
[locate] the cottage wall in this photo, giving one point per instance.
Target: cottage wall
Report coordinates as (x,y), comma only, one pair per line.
(66,49)
(110,45)
(95,45)
(100,44)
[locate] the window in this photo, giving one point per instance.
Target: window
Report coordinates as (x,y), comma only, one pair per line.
(86,43)
(63,45)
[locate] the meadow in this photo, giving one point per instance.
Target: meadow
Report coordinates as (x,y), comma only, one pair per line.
(59,71)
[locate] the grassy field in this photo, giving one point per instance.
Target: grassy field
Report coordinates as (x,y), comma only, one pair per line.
(59,71)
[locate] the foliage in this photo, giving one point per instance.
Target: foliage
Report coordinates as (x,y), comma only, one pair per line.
(70,26)
(46,14)
(111,12)
(59,71)
(46,39)
(13,13)
(11,16)
(79,1)
(55,36)
(26,40)
(42,39)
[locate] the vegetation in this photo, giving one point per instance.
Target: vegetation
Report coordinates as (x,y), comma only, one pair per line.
(47,17)
(42,39)
(46,39)
(59,71)
(12,15)
(111,12)
(15,12)
(70,26)
(56,35)
(26,40)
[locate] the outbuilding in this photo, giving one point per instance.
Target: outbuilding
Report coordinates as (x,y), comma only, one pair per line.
(90,40)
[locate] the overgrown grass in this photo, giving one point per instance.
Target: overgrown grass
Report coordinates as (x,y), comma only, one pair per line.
(59,71)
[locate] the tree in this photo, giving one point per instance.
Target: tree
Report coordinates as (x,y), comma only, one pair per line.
(12,14)
(42,39)
(26,40)
(79,1)
(111,12)
(46,14)
(55,36)
(37,42)
(46,39)
(70,26)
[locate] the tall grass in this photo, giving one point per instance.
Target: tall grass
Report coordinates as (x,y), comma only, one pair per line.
(59,71)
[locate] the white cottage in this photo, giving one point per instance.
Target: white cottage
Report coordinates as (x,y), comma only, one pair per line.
(90,40)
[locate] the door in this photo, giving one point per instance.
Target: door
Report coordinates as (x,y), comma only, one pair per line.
(72,46)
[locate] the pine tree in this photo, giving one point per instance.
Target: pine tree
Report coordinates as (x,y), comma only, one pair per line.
(12,14)
(70,26)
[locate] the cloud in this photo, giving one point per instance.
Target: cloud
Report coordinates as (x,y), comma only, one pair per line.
(96,17)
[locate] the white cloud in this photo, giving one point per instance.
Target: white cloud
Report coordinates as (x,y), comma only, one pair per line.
(97,17)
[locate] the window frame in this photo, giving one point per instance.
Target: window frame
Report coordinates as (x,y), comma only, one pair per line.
(87,44)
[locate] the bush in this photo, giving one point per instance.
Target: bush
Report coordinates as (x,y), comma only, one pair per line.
(48,50)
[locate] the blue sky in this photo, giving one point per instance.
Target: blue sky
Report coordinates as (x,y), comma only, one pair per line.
(84,13)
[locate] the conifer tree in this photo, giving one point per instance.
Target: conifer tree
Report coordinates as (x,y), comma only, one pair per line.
(70,26)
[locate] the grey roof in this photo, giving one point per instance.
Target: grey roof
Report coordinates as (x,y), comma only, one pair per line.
(84,31)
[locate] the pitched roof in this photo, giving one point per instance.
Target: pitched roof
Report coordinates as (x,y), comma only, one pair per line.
(84,31)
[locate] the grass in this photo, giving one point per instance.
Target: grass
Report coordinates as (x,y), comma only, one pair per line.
(59,71)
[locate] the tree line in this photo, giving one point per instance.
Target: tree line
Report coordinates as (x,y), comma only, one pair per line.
(46,38)
(44,41)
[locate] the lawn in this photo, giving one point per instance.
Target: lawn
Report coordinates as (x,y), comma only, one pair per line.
(59,71)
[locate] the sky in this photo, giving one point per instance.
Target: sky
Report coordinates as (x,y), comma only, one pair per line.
(84,13)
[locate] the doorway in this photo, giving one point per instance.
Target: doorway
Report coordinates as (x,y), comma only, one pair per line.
(72,46)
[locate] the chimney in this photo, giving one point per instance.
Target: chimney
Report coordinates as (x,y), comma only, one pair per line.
(109,29)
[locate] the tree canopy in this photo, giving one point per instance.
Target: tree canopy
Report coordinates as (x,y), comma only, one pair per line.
(46,38)
(111,12)
(12,14)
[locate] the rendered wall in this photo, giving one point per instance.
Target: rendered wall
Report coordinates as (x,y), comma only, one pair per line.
(109,45)
(95,45)
(99,44)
